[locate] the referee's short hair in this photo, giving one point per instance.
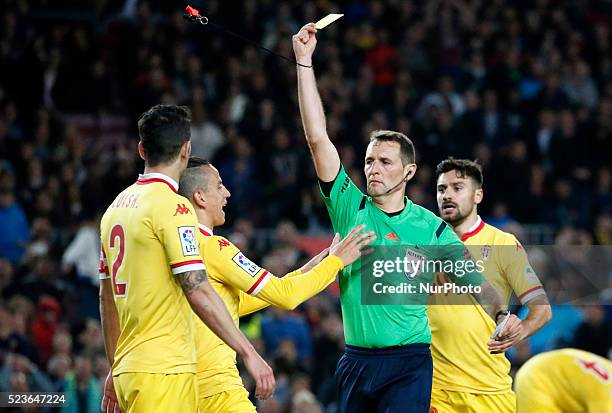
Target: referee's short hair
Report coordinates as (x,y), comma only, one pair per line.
(407,152)
(464,167)
(163,129)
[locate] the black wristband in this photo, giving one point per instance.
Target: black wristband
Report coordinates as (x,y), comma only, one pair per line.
(504,312)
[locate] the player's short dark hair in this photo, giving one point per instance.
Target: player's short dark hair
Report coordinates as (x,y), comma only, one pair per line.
(163,129)
(465,168)
(407,152)
(192,178)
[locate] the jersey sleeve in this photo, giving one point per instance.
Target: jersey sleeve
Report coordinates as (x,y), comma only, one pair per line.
(343,201)
(103,272)
(230,266)
(249,304)
(289,292)
(176,226)
(451,248)
(519,273)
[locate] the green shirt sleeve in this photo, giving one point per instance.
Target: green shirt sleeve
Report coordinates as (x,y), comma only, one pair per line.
(343,202)
(450,247)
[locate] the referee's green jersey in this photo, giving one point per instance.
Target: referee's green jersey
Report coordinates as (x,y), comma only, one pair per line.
(377,326)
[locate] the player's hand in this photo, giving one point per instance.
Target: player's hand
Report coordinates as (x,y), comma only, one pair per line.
(304,43)
(508,337)
(109,401)
(349,249)
(320,256)
(261,373)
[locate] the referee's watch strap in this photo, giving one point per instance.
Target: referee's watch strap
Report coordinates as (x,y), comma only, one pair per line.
(501,312)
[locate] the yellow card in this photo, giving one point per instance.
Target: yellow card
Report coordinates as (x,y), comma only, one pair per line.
(327,20)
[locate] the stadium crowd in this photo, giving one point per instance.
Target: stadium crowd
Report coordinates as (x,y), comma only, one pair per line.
(524,87)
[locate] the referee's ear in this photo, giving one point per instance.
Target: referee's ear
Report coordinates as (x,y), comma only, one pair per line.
(409,171)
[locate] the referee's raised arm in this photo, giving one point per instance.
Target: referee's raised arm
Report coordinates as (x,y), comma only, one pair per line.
(324,153)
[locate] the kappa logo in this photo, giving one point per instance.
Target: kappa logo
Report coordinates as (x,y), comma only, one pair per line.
(181,209)
(223,243)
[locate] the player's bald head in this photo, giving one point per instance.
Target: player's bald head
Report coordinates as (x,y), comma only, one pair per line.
(195,178)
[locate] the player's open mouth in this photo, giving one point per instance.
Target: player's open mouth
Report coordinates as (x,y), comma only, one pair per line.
(448,207)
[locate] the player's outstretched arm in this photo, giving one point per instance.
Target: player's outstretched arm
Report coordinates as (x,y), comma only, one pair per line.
(207,304)
(289,292)
(249,304)
(324,153)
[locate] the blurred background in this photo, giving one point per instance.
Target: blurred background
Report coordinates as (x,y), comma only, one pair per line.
(525,87)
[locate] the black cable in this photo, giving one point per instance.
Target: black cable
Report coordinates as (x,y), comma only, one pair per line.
(206,22)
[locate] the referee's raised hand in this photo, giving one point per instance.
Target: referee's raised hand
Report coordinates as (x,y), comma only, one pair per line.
(304,43)
(349,249)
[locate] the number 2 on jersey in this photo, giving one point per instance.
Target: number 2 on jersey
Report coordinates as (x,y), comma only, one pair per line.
(117,240)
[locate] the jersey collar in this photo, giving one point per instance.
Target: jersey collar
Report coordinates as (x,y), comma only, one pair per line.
(205,230)
(474,229)
(144,179)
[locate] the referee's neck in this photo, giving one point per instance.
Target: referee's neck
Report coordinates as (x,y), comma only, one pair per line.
(391,203)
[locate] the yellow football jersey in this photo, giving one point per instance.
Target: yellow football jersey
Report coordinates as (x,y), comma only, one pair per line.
(236,279)
(148,234)
(460,327)
(565,381)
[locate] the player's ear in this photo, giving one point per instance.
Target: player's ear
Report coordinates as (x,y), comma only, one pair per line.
(198,199)
(186,150)
(478,195)
(141,151)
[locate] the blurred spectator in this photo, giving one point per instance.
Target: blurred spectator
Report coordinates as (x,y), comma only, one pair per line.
(14,232)
(82,255)
(278,325)
(206,136)
(46,325)
(18,369)
(594,334)
(82,388)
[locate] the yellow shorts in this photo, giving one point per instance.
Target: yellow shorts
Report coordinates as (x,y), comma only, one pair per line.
(148,392)
(231,401)
(443,401)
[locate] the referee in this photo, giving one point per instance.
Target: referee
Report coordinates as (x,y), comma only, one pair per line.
(387,364)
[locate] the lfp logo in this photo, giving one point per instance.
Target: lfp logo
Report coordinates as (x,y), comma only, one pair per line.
(188,241)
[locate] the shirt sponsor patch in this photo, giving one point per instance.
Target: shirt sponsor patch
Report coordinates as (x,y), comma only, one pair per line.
(530,275)
(413,263)
(187,236)
(246,264)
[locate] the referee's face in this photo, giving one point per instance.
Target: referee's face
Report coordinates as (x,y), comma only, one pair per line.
(383,167)
(456,197)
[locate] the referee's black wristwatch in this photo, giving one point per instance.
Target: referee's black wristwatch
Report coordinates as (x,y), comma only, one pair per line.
(501,312)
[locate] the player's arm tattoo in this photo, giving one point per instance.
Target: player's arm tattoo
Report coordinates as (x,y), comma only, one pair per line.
(192,279)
